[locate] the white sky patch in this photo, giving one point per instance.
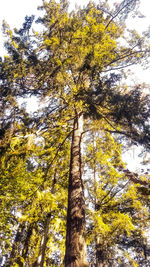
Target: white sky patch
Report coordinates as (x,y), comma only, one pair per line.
(14,12)
(31,103)
(131,156)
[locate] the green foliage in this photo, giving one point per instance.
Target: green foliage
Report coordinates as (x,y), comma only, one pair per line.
(116,207)
(70,66)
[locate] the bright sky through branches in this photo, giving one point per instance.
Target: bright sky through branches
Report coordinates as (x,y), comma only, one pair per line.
(14,12)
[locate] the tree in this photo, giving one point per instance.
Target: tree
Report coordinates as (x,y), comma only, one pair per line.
(31,192)
(73,63)
(114,213)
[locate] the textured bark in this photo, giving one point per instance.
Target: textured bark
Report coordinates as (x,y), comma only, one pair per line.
(100,255)
(75,237)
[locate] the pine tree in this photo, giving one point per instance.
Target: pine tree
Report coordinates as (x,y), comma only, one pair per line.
(72,64)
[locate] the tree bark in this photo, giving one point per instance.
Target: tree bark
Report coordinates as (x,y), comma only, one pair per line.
(100,255)
(75,255)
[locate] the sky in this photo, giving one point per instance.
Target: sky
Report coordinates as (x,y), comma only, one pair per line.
(14,11)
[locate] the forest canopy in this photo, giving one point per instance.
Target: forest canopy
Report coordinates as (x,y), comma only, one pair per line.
(66,196)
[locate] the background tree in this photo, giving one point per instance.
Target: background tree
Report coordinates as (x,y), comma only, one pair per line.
(115,213)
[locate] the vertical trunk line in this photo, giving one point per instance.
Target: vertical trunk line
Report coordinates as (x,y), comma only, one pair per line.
(100,257)
(15,253)
(41,257)
(75,236)
(25,249)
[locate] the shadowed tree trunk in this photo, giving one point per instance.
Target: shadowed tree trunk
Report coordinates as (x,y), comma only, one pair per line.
(100,255)
(21,245)
(15,247)
(41,257)
(25,249)
(75,237)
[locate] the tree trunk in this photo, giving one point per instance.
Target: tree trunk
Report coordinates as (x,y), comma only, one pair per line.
(25,249)
(41,258)
(100,255)
(75,255)
(15,253)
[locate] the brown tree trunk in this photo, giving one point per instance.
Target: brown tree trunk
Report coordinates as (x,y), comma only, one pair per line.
(75,255)
(100,255)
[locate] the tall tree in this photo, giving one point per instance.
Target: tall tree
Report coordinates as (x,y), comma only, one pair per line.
(75,237)
(72,63)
